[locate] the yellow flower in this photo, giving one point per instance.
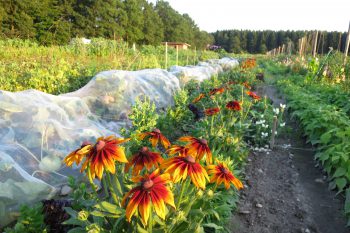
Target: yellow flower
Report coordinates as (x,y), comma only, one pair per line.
(152,189)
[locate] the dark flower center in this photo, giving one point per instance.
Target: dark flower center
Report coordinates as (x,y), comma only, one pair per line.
(156,131)
(144,149)
(147,184)
(223,170)
(100,145)
(190,159)
(203,141)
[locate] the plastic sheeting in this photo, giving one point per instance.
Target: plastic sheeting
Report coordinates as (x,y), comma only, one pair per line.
(37,130)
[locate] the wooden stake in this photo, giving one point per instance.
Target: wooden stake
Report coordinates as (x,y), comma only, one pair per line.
(177,55)
(314,47)
(339,41)
(166,55)
(347,45)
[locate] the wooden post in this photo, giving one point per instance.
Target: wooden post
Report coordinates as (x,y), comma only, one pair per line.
(195,55)
(322,43)
(274,127)
(134,47)
(339,41)
(177,55)
(314,47)
(347,45)
(301,42)
(166,55)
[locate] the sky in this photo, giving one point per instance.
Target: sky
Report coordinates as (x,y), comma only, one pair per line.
(212,15)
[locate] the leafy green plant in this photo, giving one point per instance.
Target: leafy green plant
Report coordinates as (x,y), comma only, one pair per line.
(31,220)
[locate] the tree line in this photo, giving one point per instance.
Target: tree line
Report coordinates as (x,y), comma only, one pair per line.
(135,21)
(247,41)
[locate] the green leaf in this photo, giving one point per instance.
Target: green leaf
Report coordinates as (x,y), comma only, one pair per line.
(108,207)
(213,225)
(339,172)
(341,182)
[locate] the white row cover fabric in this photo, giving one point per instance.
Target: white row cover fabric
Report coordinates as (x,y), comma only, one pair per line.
(37,130)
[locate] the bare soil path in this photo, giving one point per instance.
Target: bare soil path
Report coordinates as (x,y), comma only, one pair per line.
(286,191)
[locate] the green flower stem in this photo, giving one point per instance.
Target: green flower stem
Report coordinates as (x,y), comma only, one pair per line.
(181,193)
(150,221)
(112,189)
(93,186)
(246,114)
(105,187)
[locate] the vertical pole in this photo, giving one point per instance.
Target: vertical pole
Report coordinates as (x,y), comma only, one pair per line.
(195,55)
(347,45)
(322,43)
(134,47)
(339,41)
(314,49)
(177,55)
(301,46)
(166,55)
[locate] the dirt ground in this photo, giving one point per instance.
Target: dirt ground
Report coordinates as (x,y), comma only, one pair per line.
(286,192)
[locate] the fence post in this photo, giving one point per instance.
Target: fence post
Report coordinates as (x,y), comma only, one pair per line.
(314,47)
(177,55)
(347,45)
(166,55)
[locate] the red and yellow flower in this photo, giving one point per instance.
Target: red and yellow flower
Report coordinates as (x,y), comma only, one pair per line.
(151,191)
(78,155)
(246,85)
(217,91)
(198,98)
(143,158)
(211,111)
(197,147)
(180,167)
(176,149)
(155,137)
(253,95)
(103,156)
(233,105)
(221,174)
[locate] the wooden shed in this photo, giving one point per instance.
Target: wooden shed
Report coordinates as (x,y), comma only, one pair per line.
(180,45)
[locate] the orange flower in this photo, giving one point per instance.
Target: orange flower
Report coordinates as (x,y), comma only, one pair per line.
(174,149)
(155,136)
(233,105)
(198,98)
(151,190)
(253,95)
(78,155)
(211,111)
(180,167)
(103,156)
(197,147)
(217,91)
(221,174)
(143,158)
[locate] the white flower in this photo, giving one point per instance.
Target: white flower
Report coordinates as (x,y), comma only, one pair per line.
(262,116)
(283,124)
(283,106)
(276,111)
(264,135)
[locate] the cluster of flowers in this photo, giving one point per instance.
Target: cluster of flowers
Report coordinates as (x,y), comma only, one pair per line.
(153,189)
(248,63)
(233,105)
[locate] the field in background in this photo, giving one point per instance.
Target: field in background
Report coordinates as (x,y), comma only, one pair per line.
(61,69)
